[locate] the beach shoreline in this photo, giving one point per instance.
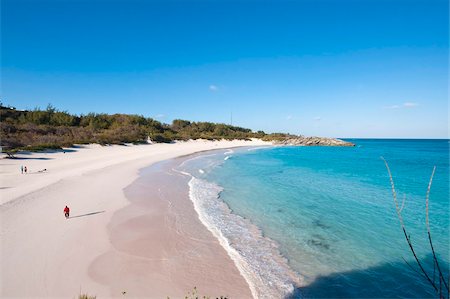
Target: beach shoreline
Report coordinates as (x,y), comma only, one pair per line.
(45,255)
(159,238)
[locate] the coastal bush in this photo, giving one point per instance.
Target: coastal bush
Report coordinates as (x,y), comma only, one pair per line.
(51,128)
(277,136)
(160,138)
(179,124)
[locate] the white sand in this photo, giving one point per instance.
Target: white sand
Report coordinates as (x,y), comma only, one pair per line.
(42,253)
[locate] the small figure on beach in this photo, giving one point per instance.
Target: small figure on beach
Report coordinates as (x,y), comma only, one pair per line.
(66,212)
(25,169)
(21,168)
(43,170)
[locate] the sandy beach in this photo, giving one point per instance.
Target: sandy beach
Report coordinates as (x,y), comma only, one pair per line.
(147,242)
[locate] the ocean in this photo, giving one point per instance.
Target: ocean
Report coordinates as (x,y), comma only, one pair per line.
(320,222)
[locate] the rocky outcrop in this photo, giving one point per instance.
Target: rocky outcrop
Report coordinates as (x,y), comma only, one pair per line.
(313,141)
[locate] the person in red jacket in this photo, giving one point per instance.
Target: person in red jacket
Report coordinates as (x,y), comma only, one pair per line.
(66,211)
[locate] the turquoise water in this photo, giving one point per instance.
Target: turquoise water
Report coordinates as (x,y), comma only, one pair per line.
(325,216)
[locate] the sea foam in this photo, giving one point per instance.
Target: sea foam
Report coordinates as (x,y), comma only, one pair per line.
(257,257)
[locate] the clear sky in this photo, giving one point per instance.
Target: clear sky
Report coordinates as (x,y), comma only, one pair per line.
(326,67)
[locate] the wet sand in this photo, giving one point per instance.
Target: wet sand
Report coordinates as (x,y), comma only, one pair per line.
(160,247)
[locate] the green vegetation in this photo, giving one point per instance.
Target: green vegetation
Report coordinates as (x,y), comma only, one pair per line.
(52,129)
(277,137)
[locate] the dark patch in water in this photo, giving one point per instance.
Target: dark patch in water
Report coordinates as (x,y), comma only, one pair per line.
(295,224)
(320,224)
(280,210)
(389,280)
(318,243)
(317,236)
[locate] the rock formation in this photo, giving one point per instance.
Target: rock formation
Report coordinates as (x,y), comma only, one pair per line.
(313,141)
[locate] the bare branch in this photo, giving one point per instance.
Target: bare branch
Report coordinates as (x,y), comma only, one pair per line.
(394,193)
(403,203)
(441,275)
(408,239)
(428,197)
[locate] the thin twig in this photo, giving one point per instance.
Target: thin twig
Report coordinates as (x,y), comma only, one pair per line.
(394,193)
(412,268)
(434,271)
(399,215)
(441,276)
(403,203)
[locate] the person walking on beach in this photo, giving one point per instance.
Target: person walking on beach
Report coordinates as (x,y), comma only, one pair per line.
(21,168)
(66,212)
(25,169)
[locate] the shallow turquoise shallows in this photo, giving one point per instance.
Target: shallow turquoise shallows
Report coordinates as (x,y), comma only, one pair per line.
(327,214)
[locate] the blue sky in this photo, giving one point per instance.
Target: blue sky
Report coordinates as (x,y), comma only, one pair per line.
(329,68)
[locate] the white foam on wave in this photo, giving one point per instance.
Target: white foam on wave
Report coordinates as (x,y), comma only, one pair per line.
(195,158)
(227,157)
(182,172)
(229,151)
(257,257)
(201,171)
(258,148)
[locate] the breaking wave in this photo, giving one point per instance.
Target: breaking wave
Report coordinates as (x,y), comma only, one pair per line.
(258,258)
